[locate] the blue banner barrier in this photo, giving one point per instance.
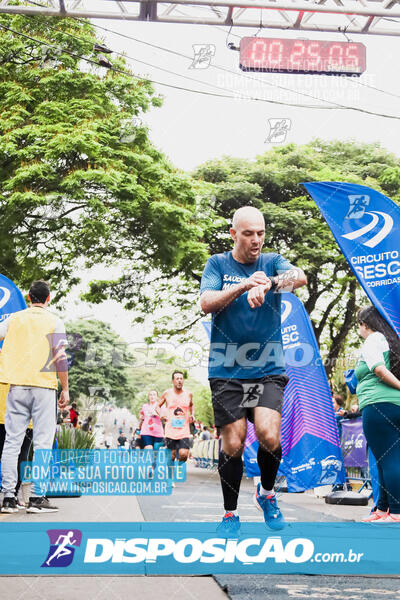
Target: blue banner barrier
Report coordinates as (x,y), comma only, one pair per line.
(11,299)
(311,453)
(366,226)
(354,444)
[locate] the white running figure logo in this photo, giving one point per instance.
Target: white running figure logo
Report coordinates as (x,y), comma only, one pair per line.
(62,550)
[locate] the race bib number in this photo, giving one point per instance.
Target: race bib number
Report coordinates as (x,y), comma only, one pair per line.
(178,422)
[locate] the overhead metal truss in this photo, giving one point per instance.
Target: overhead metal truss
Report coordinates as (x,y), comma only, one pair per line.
(373,17)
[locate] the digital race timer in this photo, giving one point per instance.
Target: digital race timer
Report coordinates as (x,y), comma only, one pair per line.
(301,56)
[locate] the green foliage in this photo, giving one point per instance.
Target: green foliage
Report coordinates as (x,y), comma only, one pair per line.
(78,177)
(72,438)
(294,225)
(81,184)
(104,361)
(203,409)
(294,228)
(101,361)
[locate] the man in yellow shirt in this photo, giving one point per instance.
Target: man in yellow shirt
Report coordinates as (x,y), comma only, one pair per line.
(31,359)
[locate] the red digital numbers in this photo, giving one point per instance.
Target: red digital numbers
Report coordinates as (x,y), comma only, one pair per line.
(302,56)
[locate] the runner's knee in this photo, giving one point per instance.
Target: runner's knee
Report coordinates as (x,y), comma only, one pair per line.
(269,441)
(183,455)
(232,445)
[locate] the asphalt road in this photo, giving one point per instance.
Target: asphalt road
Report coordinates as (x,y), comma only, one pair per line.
(200,499)
(316,587)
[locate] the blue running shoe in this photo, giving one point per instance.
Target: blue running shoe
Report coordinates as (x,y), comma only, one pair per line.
(269,506)
(229,526)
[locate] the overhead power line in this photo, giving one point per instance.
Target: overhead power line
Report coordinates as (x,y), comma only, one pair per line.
(352,79)
(219,67)
(202,92)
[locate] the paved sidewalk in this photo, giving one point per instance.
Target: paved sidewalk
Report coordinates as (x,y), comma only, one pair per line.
(101,509)
(111,588)
(86,508)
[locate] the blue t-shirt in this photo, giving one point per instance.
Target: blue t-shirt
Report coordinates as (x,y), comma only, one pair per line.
(246,342)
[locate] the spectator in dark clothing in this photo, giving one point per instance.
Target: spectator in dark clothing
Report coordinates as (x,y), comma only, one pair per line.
(205,434)
(86,425)
(338,403)
(339,411)
(121,441)
(353,413)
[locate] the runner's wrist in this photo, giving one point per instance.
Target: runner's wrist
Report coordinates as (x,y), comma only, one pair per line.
(274,281)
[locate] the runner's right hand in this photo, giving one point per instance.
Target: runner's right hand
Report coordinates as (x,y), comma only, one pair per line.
(63,400)
(257,278)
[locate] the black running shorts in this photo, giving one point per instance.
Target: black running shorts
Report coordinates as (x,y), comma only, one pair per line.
(183,443)
(234,399)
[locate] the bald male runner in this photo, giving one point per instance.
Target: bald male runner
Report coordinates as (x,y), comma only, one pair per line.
(246,363)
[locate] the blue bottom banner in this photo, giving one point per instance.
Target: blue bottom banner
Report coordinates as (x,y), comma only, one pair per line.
(187,548)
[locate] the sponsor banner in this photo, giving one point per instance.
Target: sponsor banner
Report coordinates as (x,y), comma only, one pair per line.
(354,444)
(366,226)
(11,299)
(103,472)
(196,549)
(311,453)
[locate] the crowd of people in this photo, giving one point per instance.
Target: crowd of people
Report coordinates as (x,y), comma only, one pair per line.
(70,416)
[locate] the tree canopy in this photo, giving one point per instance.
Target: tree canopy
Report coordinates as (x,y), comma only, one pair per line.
(80,182)
(99,363)
(294,228)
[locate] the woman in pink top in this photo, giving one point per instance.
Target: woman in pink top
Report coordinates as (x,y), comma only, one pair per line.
(151,429)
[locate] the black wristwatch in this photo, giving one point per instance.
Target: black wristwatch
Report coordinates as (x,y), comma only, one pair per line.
(274,282)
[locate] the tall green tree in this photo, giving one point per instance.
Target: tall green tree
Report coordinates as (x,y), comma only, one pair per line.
(100,363)
(294,225)
(80,181)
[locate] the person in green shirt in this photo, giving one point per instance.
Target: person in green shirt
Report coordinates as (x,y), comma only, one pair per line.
(378,391)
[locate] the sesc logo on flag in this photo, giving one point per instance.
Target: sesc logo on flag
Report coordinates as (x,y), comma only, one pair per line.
(380,224)
(369,239)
